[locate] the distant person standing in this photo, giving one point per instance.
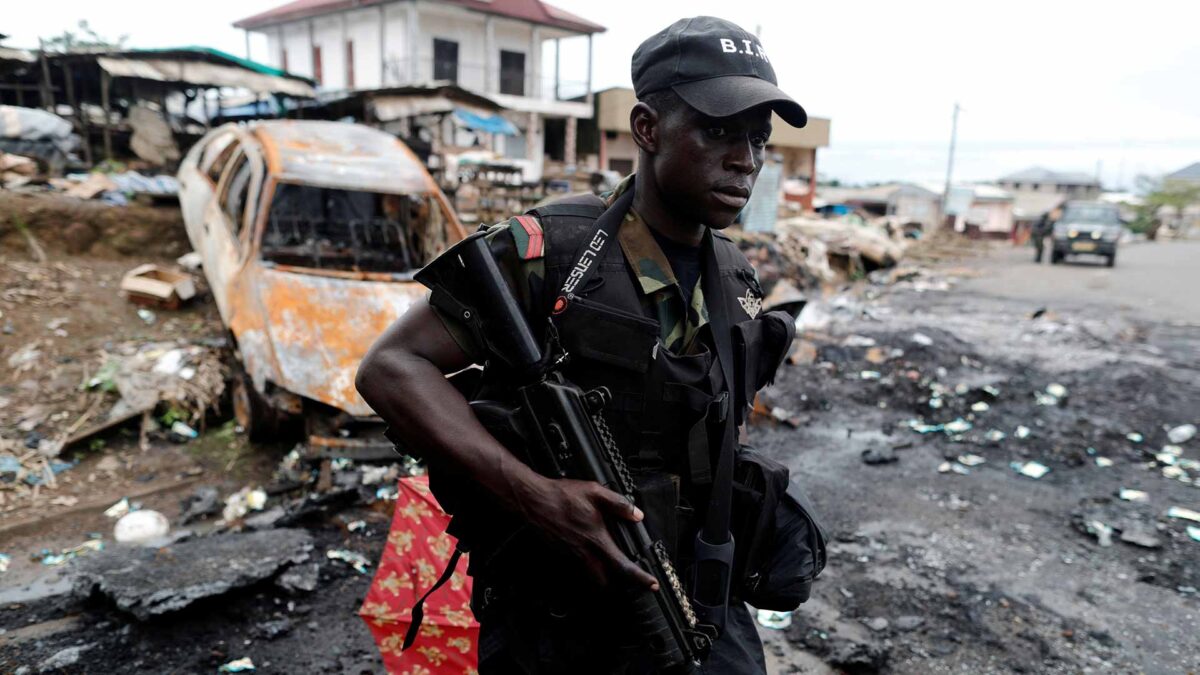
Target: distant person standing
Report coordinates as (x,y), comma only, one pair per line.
(1042,229)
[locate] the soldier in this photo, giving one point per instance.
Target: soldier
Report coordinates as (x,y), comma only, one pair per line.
(640,326)
(1043,228)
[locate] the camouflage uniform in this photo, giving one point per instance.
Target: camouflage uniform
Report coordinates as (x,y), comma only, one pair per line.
(518,247)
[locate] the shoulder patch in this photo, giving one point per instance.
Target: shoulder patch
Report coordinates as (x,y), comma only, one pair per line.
(528,236)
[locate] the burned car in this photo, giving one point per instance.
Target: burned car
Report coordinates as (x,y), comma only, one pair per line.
(310,233)
(1087,227)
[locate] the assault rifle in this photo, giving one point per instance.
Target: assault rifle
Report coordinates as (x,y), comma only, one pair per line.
(565,436)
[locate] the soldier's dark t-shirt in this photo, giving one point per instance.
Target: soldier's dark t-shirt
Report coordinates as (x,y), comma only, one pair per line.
(684,261)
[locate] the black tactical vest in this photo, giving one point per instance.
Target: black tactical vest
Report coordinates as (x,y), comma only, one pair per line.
(659,398)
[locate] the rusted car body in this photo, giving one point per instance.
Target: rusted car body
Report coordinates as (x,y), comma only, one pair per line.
(310,233)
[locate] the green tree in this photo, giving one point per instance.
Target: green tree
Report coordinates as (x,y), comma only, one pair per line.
(1157,193)
(85,39)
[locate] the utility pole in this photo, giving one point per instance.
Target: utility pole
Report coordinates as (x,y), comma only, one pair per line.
(950,162)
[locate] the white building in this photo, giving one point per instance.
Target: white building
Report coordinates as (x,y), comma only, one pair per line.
(504,50)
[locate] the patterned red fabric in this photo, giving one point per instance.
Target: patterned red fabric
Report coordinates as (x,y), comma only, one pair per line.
(417,551)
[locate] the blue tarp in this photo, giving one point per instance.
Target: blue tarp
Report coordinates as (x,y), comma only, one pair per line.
(492,125)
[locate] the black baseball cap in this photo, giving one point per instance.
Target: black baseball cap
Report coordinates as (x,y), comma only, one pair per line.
(714,66)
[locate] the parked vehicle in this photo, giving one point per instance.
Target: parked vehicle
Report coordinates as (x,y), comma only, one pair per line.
(310,233)
(1087,227)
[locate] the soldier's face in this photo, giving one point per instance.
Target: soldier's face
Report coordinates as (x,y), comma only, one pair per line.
(707,166)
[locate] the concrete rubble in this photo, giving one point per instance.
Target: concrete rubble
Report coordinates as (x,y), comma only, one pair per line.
(149,582)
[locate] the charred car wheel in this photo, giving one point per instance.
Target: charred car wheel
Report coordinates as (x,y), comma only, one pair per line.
(252,411)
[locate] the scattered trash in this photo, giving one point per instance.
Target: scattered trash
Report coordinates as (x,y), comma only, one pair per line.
(356,525)
(858,341)
(203,502)
(190,261)
(1133,495)
(1103,532)
(1103,462)
(922,339)
(63,659)
(152,286)
(1185,514)
(119,509)
(1033,470)
(354,559)
(980,406)
(179,428)
(238,504)
(1022,432)
(1182,433)
(877,624)
(51,559)
(958,426)
(242,665)
(971,460)
(4,560)
(994,435)
(147,316)
(953,467)
(1055,394)
(883,455)
(774,620)
(142,526)
(65,500)
(1193,532)
(870,375)
(1140,534)
(1135,437)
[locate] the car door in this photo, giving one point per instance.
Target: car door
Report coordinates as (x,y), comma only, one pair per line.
(199,173)
(228,222)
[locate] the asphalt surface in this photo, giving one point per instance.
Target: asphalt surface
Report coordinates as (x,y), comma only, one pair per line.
(1155,281)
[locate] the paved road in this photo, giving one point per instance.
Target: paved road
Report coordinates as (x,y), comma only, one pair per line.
(1158,281)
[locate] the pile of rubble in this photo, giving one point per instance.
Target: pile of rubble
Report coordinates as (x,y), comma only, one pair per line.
(811,252)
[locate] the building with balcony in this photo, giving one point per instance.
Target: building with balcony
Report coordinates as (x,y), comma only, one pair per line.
(507,51)
(609,142)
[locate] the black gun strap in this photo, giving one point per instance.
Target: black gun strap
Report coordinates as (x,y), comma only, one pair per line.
(418,610)
(716,523)
(592,250)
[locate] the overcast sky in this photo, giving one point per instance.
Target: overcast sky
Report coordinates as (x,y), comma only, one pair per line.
(1063,84)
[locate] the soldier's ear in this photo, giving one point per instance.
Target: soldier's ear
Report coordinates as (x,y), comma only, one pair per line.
(643,123)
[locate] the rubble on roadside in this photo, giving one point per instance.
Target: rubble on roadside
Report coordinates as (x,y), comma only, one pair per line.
(148,582)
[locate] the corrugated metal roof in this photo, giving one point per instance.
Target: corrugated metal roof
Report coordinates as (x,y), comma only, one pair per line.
(533,11)
(1039,174)
(1190,173)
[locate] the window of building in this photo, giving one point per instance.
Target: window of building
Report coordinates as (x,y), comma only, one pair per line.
(349,64)
(512,73)
(316,65)
(445,60)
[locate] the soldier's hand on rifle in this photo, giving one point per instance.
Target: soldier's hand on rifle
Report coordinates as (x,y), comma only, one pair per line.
(573,513)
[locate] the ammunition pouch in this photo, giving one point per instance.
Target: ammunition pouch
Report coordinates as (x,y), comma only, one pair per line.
(780,545)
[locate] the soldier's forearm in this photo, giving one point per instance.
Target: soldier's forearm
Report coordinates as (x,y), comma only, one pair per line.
(434,419)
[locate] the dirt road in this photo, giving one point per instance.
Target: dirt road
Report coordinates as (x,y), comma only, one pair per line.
(1153,280)
(982,569)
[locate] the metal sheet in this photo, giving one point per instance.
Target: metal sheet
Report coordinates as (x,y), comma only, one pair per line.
(203,73)
(338,155)
(321,327)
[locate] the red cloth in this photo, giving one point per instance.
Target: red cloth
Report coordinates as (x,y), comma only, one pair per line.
(416,553)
